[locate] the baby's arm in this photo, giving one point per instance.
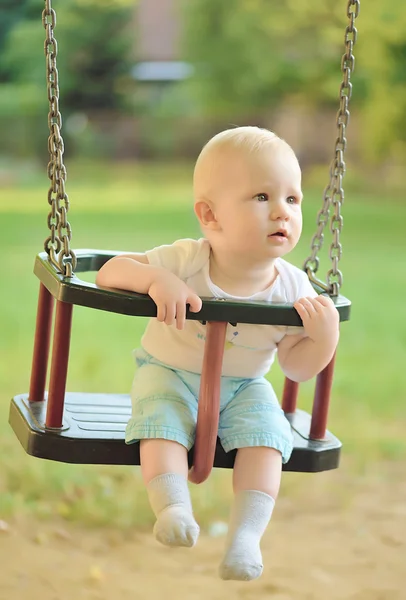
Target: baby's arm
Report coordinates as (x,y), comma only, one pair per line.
(127,272)
(134,273)
(301,358)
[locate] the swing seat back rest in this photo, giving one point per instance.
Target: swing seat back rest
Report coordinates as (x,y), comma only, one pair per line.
(74,290)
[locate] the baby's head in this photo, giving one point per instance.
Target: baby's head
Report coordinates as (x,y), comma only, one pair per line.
(233,146)
(237,166)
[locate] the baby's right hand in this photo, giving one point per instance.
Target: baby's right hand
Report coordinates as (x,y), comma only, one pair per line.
(171,295)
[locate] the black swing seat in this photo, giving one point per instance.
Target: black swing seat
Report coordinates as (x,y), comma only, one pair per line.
(94,424)
(74,290)
(94,427)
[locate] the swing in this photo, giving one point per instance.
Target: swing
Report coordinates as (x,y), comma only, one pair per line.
(89,428)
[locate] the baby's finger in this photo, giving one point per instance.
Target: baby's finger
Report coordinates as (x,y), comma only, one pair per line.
(317,306)
(301,309)
(180,315)
(161,312)
(311,303)
(195,303)
(324,300)
(170,314)
(308,305)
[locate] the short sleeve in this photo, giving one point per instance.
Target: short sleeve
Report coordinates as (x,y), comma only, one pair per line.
(183,258)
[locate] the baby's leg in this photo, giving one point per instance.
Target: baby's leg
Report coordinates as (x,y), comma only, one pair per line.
(254,423)
(163,417)
(164,469)
(256,480)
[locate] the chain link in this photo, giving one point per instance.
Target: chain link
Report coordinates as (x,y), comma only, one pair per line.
(334,192)
(57,244)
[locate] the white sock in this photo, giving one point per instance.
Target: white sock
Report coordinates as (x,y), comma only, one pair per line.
(170,500)
(250,515)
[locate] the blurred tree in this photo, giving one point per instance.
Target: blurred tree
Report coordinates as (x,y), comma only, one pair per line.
(11,11)
(381,55)
(95,42)
(253,55)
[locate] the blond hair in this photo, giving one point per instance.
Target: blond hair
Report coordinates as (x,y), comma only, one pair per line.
(249,140)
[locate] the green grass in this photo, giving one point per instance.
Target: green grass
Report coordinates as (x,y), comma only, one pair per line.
(135,207)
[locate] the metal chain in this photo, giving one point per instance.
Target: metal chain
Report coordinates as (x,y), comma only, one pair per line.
(334,192)
(57,244)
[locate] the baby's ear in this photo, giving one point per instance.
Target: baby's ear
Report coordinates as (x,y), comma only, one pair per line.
(205,213)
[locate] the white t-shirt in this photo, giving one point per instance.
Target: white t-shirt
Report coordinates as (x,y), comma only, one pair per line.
(249,349)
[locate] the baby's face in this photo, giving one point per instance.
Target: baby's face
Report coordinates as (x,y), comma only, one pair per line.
(257,201)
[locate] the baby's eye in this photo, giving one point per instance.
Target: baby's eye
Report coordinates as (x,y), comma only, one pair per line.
(291,200)
(262,197)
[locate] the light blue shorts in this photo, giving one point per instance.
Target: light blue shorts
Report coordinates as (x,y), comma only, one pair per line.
(164,405)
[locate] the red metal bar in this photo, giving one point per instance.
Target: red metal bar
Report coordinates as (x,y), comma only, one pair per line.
(59,366)
(289,397)
(209,402)
(321,401)
(41,345)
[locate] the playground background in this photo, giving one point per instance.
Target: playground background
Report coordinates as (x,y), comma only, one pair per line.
(80,531)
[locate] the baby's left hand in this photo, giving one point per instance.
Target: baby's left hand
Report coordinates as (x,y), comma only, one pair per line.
(320,318)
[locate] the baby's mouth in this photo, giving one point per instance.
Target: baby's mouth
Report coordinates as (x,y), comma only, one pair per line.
(279,233)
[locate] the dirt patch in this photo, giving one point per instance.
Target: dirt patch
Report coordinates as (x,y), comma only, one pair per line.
(342,538)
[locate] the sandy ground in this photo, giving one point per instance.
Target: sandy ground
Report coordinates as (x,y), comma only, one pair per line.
(343,539)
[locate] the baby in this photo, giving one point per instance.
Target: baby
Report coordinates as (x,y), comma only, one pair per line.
(247,199)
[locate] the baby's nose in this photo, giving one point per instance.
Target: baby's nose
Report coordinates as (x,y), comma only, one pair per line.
(279,210)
